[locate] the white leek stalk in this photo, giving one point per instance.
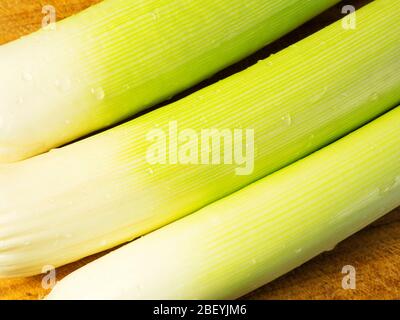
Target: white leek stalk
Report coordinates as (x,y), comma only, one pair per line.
(100,192)
(121,56)
(248,239)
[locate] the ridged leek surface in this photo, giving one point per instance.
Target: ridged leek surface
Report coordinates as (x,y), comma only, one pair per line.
(102,191)
(257,234)
(121,56)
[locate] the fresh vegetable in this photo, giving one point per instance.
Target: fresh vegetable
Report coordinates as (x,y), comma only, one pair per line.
(255,235)
(121,56)
(103,191)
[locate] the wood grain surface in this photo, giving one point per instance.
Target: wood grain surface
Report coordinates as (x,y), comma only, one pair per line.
(374,252)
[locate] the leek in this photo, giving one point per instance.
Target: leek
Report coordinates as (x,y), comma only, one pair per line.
(121,56)
(100,192)
(255,235)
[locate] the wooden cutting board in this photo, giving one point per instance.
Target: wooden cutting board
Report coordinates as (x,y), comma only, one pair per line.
(373,252)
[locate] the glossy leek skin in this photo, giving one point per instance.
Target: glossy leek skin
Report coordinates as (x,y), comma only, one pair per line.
(102,191)
(122,56)
(255,235)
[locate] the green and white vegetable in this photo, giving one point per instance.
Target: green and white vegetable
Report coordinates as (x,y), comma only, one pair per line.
(245,240)
(121,56)
(102,191)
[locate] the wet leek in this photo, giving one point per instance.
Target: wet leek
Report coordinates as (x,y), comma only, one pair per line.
(255,235)
(102,191)
(121,56)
